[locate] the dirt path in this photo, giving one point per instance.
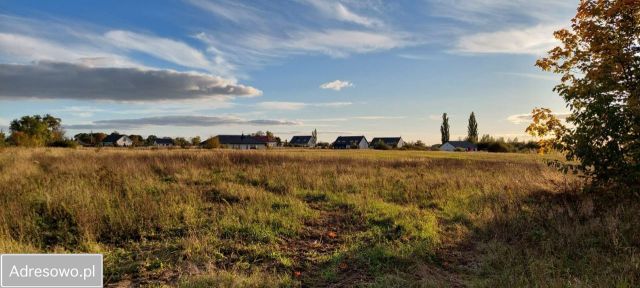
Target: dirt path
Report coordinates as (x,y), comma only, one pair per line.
(321,238)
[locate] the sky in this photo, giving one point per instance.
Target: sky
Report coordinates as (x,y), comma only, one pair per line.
(184,68)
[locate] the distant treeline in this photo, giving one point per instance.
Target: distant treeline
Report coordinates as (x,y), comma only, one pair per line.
(38,131)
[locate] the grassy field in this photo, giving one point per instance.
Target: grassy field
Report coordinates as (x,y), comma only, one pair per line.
(207,218)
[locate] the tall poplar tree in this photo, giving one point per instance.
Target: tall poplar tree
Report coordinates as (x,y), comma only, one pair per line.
(444,128)
(472,134)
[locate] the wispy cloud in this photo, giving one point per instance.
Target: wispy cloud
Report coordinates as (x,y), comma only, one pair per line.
(181,121)
(327,120)
(336,85)
(278,105)
(435,117)
(530,40)
(487,12)
(415,56)
(166,49)
(367,117)
(25,40)
(230,10)
(526,118)
(377,117)
(532,76)
(50,80)
(81,111)
(332,42)
(21,48)
(339,11)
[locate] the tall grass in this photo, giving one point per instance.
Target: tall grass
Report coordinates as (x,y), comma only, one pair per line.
(197,218)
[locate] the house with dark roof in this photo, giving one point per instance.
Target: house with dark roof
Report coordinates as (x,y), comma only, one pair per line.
(243,142)
(117,140)
(351,142)
(393,142)
(163,142)
(303,141)
(459,145)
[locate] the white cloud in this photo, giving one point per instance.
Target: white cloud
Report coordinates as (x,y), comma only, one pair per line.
(340,12)
(336,85)
(277,105)
(531,40)
(526,118)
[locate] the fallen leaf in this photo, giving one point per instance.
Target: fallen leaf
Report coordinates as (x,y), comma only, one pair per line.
(332,234)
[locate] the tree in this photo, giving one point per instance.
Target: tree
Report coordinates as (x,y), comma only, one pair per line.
(444,128)
(137,140)
(211,143)
(90,138)
(36,130)
(472,135)
(548,128)
(98,138)
(599,61)
(150,140)
(180,141)
(3,141)
(195,141)
(83,138)
(314,134)
(380,145)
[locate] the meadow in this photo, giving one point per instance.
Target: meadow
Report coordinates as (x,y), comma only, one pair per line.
(318,218)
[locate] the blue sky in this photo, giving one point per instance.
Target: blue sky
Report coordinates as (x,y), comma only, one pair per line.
(205,67)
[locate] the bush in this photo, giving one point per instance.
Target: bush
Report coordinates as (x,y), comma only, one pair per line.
(211,143)
(66,143)
(381,146)
(498,147)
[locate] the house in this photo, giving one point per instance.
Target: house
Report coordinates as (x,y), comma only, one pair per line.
(393,142)
(163,142)
(270,141)
(245,142)
(303,141)
(117,140)
(351,142)
(459,145)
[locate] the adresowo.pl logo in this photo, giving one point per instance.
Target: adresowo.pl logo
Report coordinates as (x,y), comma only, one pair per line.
(50,270)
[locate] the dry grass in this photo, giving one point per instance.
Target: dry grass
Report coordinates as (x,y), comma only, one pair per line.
(196,218)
